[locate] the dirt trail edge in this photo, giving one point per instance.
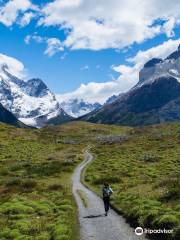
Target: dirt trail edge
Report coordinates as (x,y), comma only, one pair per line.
(93,224)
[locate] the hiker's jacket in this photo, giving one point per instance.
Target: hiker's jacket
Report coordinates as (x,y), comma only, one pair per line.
(107,191)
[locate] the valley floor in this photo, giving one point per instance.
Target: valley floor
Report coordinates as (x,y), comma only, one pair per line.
(36,165)
(144,171)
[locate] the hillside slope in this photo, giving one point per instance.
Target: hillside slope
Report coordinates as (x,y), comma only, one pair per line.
(9,118)
(155,99)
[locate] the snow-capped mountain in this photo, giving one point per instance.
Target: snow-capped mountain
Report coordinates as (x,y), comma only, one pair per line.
(30,101)
(79,107)
(157,68)
(155,99)
(8,118)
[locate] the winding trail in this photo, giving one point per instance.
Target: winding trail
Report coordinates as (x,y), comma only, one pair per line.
(93,224)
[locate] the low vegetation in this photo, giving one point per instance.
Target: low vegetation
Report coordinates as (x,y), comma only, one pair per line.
(144,171)
(83,197)
(141,164)
(36,200)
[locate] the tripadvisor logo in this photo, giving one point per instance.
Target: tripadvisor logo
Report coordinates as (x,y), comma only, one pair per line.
(139,231)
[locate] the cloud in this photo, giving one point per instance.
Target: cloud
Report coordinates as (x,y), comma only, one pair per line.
(96,25)
(35,38)
(27,39)
(84,68)
(14,66)
(54,45)
(63,56)
(91,92)
(25,20)
(129,76)
(160,51)
(11,10)
(169,26)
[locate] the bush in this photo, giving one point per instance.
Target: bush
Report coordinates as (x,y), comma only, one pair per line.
(109,179)
(46,168)
(149,157)
(7,233)
(28,184)
(167,221)
(171,194)
(15,207)
(60,232)
(13,182)
(55,187)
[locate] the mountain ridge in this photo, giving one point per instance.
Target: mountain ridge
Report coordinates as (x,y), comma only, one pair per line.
(78,107)
(150,100)
(30,101)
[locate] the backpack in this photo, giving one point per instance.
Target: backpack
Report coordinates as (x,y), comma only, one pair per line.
(107,192)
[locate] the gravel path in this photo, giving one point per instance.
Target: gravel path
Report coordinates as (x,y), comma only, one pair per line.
(93,224)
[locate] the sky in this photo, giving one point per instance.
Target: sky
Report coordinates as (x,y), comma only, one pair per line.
(89,49)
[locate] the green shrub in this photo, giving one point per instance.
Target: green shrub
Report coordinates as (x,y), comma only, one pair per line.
(13,182)
(65,207)
(28,184)
(15,207)
(167,221)
(149,157)
(60,232)
(55,187)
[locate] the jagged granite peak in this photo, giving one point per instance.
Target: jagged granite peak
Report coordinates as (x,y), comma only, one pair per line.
(6,75)
(155,99)
(28,100)
(175,55)
(156,68)
(152,62)
(36,88)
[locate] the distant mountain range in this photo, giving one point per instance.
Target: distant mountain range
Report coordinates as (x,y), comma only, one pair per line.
(155,99)
(76,107)
(30,101)
(79,107)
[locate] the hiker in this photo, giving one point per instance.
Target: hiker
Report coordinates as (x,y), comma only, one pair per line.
(107,191)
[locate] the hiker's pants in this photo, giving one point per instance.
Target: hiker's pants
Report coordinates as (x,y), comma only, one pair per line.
(106,203)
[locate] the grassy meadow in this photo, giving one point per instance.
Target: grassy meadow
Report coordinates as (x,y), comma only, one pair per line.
(36,165)
(144,172)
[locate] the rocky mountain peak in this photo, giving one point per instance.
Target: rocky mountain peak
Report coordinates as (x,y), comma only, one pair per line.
(30,101)
(36,88)
(175,55)
(152,62)
(155,99)
(157,67)
(78,107)
(4,67)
